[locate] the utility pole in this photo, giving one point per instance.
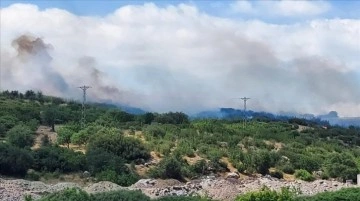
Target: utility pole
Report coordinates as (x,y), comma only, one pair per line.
(83,115)
(245,117)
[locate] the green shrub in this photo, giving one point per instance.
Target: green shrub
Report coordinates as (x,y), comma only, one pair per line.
(288,169)
(114,142)
(124,179)
(304,175)
(6,123)
(182,198)
(75,194)
(51,175)
(185,148)
(154,131)
(33,176)
(262,162)
(277,174)
(99,160)
(13,160)
(168,168)
(172,118)
(121,195)
(342,166)
(20,136)
(52,158)
(345,194)
(309,163)
(68,195)
(268,195)
(324,176)
(201,167)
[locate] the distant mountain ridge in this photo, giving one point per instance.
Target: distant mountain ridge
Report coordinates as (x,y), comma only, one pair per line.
(231,113)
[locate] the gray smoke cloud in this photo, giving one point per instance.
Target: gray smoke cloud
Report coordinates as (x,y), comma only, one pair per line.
(34,61)
(102,88)
(177,58)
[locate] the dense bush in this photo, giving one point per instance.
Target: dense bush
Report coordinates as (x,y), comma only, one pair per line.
(13,160)
(123,179)
(6,123)
(154,131)
(99,160)
(75,194)
(262,162)
(20,136)
(112,141)
(168,168)
(68,195)
(172,118)
(346,194)
(201,167)
(182,198)
(51,158)
(267,195)
(304,175)
(109,167)
(342,166)
(83,136)
(288,169)
(121,195)
(64,135)
(277,174)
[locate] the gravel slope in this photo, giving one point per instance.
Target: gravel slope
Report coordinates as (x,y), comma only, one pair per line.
(217,188)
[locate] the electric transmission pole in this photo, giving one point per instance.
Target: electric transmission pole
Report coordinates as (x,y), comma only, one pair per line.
(83,115)
(245,116)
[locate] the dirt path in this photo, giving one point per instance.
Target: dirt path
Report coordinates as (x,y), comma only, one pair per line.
(41,132)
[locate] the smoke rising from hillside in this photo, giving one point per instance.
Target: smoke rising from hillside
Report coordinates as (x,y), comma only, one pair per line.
(176,58)
(31,66)
(102,89)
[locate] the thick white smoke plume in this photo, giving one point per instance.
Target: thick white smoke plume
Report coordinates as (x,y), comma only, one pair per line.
(177,58)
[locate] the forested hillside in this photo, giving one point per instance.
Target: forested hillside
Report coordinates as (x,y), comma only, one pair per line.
(122,148)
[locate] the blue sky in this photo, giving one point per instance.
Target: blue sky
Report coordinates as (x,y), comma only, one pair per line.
(349,9)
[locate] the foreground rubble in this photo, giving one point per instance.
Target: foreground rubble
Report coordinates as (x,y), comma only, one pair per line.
(217,188)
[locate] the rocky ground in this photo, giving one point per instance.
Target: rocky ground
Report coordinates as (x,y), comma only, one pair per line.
(217,188)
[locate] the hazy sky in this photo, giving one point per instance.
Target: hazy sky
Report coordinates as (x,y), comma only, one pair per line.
(187,56)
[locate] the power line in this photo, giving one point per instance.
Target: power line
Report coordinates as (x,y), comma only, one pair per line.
(83,114)
(245,99)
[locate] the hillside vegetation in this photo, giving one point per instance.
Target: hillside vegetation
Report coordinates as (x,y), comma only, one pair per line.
(122,147)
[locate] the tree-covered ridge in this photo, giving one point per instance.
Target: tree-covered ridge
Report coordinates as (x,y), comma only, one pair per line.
(116,143)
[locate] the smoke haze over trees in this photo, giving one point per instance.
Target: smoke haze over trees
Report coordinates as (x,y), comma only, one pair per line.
(177,57)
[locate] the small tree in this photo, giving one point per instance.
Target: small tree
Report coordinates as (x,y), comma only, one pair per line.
(262,162)
(168,168)
(64,136)
(148,118)
(40,96)
(50,115)
(30,94)
(80,138)
(6,123)
(20,136)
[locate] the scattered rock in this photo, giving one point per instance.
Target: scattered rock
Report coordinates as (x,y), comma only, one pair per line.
(103,186)
(86,174)
(216,188)
(232,175)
